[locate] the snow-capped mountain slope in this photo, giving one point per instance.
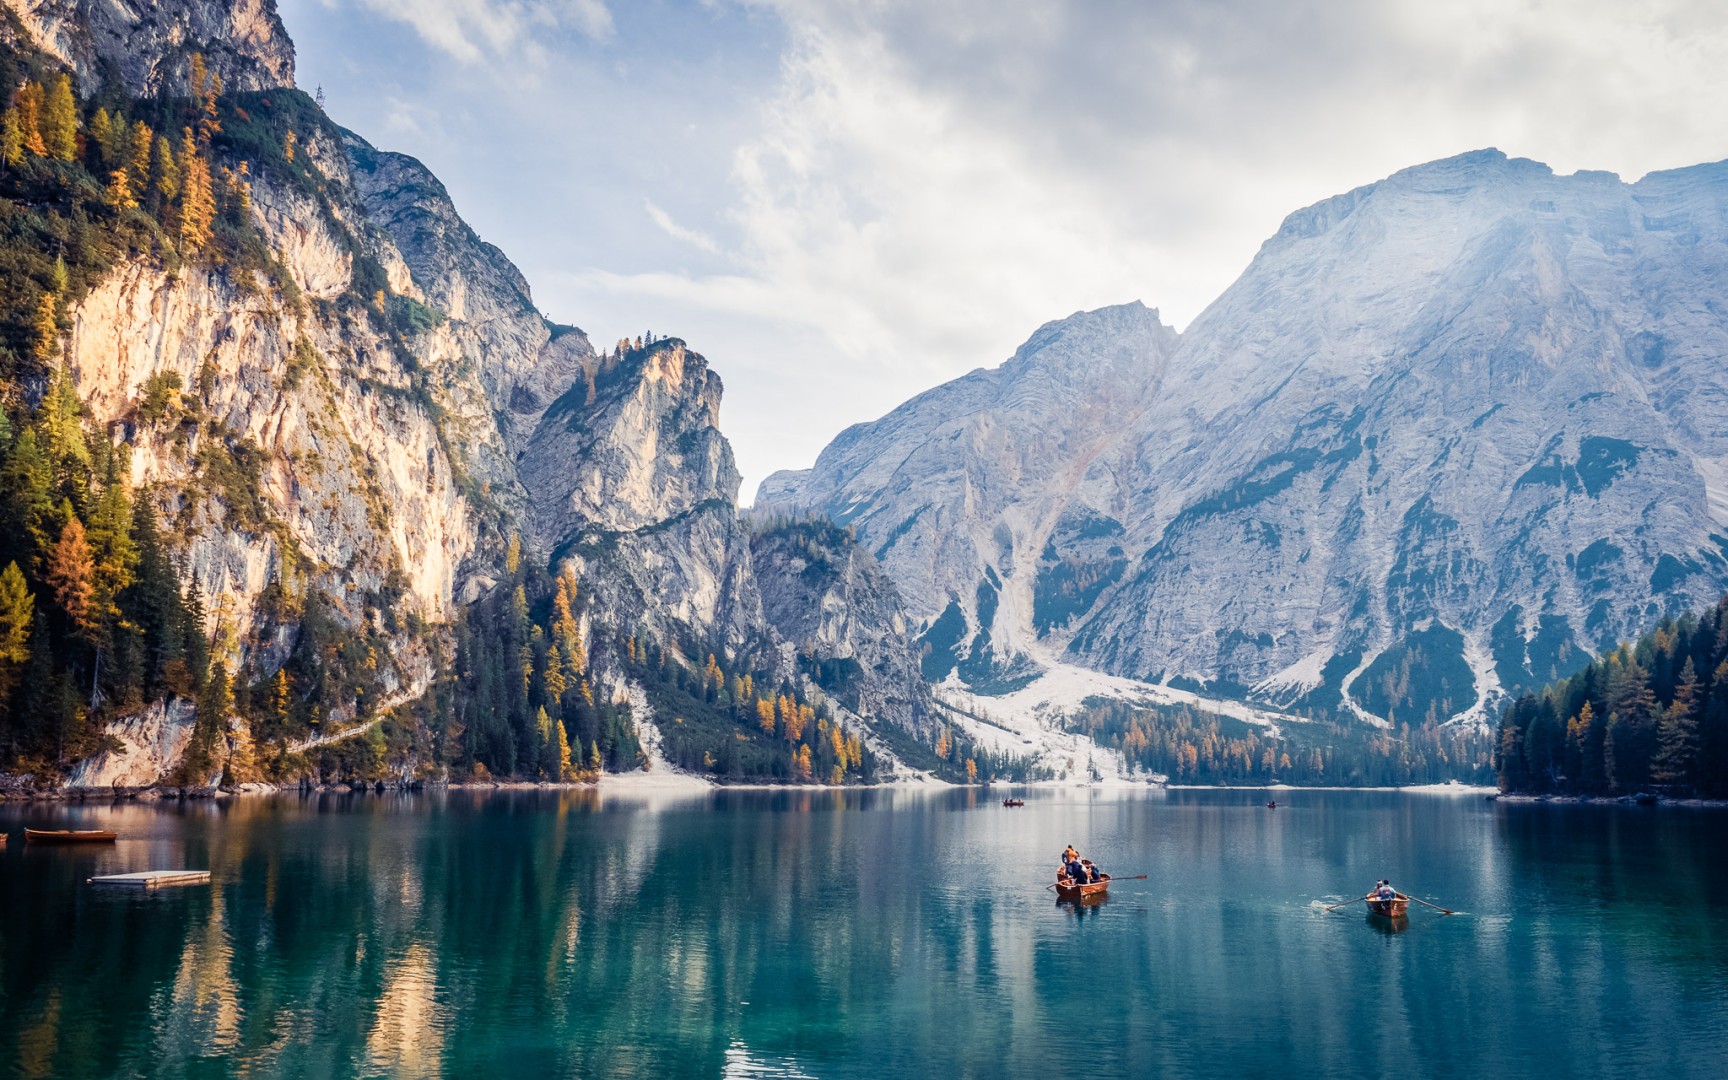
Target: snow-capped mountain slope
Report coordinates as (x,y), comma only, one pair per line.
(1446,431)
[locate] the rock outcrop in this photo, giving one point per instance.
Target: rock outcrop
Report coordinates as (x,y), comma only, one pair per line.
(829,600)
(359,413)
(1446,434)
(629,476)
(148,44)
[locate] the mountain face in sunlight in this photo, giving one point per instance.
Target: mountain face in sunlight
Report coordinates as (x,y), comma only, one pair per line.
(1446,435)
(276,360)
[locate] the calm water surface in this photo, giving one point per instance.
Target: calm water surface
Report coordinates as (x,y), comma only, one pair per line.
(867,934)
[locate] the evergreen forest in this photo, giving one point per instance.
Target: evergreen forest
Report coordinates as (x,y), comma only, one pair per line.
(1650,717)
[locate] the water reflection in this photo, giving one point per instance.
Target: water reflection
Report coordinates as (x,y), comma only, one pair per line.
(856,933)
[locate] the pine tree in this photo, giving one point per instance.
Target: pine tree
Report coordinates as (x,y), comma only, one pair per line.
(1713,731)
(69,575)
(11,139)
(45,328)
(594,762)
(27,511)
(1631,734)
(60,120)
(17,612)
(548,744)
(139,144)
(60,420)
(112,548)
(116,142)
(215,706)
(164,171)
(1677,735)
(101,130)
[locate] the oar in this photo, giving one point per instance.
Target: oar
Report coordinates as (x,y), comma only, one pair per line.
(1347,903)
(1436,907)
(1136,877)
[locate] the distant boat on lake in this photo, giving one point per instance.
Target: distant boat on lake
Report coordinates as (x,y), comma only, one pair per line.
(70,836)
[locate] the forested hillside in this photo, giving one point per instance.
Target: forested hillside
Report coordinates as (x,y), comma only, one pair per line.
(297,482)
(1649,717)
(1191,746)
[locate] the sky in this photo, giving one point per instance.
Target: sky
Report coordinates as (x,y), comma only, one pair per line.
(842,203)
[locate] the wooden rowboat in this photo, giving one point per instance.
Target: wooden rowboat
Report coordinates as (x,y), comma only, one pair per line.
(1392,909)
(1067,890)
(1013,802)
(70,836)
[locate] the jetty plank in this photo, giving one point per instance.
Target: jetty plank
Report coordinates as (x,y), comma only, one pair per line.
(153,879)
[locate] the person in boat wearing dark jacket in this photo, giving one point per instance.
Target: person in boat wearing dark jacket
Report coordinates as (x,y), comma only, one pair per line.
(1093,874)
(1072,867)
(1385,891)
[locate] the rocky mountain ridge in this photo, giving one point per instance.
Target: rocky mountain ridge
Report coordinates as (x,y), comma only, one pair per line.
(1447,433)
(366,425)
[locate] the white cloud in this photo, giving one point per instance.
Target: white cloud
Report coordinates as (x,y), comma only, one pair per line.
(698,240)
(918,185)
(477,30)
(931,181)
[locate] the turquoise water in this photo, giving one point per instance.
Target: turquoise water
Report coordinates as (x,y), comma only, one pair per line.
(867,934)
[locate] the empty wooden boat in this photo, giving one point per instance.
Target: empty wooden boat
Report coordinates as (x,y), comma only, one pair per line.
(70,836)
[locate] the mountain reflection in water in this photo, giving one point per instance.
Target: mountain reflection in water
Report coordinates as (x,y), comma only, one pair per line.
(862,934)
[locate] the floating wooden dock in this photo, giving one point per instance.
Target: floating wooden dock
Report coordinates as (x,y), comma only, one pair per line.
(153,879)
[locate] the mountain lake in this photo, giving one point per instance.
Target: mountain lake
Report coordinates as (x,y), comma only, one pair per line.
(866,933)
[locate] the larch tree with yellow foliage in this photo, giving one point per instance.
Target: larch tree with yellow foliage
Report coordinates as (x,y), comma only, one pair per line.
(197,197)
(29,106)
(60,120)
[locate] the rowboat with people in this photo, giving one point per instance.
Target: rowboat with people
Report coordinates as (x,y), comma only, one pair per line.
(1391,909)
(1069,889)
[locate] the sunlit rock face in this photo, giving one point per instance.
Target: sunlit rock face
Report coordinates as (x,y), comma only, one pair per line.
(378,416)
(628,475)
(1445,433)
(147,44)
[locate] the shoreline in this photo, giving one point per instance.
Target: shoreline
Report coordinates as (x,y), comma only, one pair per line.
(1526,799)
(682,783)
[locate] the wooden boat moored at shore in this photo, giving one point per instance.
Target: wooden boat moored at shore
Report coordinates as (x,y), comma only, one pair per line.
(70,836)
(1066,889)
(1392,909)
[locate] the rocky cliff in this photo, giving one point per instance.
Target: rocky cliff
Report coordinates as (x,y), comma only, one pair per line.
(145,47)
(830,602)
(353,424)
(1446,433)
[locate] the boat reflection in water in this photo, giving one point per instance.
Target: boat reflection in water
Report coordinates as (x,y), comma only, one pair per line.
(1388,924)
(1084,905)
